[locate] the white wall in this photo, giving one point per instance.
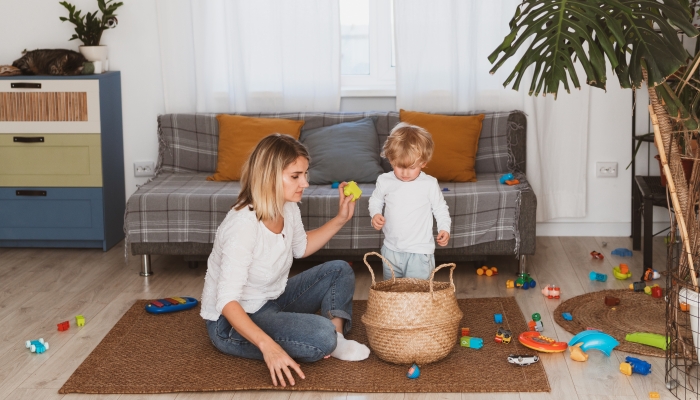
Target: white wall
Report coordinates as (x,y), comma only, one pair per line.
(133,50)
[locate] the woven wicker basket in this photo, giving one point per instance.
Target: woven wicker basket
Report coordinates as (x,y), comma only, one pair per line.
(411,320)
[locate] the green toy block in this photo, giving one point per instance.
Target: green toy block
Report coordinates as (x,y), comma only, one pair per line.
(649,339)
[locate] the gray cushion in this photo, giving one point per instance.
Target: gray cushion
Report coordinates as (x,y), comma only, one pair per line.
(343,152)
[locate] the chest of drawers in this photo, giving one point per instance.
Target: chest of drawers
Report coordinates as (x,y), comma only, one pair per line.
(61,161)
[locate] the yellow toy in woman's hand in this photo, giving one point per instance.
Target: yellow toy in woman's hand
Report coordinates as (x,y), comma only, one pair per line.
(352,189)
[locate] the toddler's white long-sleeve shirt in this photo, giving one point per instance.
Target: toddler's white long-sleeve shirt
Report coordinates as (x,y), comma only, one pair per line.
(409,211)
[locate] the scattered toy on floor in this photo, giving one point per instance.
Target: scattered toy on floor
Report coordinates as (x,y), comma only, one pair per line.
(80,320)
(352,189)
(536,323)
(335,185)
(522,359)
(649,339)
(592,339)
(638,286)
(605,244)
(465,331)
(656,292)
(654,395)
(611,301)
(510,284)
(63,326)
(621,272)
(597,255)
(650,275)
(171,304)
(567,316)
(622,252)
(595,276)
(648,289)
(413,372)
(37,346)
(503,336)
(551,291)
(524,281)
(577,354)
(498,318)
(535,341)
(635,366)
(471,342)
(487,271)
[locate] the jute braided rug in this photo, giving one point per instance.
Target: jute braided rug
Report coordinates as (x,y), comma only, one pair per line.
(637,312)
(147,353)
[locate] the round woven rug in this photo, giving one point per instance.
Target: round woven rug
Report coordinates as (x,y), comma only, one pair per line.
(637,312)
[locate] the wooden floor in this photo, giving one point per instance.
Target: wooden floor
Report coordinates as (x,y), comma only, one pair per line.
(41,287)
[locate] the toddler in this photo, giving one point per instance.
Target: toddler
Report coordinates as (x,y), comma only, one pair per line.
(412,198)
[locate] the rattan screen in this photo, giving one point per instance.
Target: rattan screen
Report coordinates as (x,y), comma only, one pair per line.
(44,106)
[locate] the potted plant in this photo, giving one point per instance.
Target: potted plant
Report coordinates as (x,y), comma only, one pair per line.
(89,28)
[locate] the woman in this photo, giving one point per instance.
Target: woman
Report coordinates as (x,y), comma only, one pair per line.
(251,309)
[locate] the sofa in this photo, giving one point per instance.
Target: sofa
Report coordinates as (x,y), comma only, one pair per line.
(178,211)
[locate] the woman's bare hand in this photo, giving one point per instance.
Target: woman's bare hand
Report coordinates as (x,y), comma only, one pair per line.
(279,363)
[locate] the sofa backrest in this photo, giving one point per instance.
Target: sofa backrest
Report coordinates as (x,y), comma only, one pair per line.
(189,142)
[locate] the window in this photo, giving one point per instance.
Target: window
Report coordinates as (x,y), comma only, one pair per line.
(367,60)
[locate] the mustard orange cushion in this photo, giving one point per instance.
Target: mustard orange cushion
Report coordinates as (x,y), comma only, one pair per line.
(238,136)
(456,140)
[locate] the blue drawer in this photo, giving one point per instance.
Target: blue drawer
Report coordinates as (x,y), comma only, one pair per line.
(51,214)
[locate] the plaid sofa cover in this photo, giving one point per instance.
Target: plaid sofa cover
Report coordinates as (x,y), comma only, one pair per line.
(179,205)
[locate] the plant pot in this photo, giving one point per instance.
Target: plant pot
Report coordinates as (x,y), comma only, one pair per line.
(95,53)
(687,169)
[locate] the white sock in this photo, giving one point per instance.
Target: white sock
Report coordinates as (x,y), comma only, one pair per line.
(349,350)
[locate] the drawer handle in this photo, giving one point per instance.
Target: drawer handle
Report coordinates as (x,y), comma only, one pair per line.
(31,193)
(25,85)
(35,139)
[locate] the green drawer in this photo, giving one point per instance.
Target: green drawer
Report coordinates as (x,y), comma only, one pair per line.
(53,160)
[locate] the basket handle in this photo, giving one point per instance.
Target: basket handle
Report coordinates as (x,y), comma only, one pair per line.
(452,282)
(391,267)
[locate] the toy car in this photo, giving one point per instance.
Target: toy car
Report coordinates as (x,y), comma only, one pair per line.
(524,281)
(37,346)
(551,292)
(597,255)
(503,336)
(522,359)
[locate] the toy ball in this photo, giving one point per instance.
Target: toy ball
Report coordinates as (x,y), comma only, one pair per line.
(413,372)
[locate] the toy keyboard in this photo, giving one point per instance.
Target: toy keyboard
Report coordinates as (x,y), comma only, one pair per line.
(170,304)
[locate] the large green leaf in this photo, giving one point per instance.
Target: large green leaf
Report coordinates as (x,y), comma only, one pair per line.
(555,34)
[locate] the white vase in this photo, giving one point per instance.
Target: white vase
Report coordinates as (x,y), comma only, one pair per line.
(95,53)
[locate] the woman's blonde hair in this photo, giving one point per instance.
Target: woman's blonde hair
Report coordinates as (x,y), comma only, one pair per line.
(408,145)
(261,175)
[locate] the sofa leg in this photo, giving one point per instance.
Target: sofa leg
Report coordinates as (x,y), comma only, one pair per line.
(522,268)
(146,265)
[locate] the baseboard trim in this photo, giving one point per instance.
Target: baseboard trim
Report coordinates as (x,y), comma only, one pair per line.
(590,228)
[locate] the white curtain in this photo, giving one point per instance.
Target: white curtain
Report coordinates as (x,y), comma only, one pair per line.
(441,65)
(250,56)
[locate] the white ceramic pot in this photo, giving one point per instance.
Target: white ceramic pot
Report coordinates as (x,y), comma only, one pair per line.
(95,53)
(693,300)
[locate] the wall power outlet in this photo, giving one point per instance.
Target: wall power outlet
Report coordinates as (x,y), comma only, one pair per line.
(144,168)
(606,169)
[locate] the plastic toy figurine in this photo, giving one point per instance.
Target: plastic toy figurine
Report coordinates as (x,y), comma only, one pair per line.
(635,366)
(498,318)
(638,286)
(487,271)
(63,326)
(37,346)
(522,360)
(536,323)
(650,275)
(622,252)
(567,316)
(541,343)
(649,339)
(510,284)
(611,301)
(577,354)
(503,336)
(506,177)
(80,320)
(413,372)
(551,291)
(595,276)
(592,339)
(656,292)
(335,185)
(352,189)
(597,255)
(471,342)
(465,331)
(621,272)
(524,281)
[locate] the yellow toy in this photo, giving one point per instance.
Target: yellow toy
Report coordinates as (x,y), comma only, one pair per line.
(80,320)
(510,284)
(577,354)
(487,271)
(621,272)
(654,395)
(352,189)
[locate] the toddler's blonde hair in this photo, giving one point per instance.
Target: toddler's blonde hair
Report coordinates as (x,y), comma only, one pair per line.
(261,176)
(408,145)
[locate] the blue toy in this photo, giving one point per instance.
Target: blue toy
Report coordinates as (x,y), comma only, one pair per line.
(635,366)
(622,252)
(592,339)
(170,304)
(567,316)
(471,342)
(445,189)
(413,372)
(595,276)
(335,185)
(37,346)
(506,177)
(498,318)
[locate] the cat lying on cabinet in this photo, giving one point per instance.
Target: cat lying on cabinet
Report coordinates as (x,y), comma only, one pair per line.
(50,62)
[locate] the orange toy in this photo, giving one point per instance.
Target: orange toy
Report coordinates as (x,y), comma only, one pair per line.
(685,307)
(624,269)
(487,271)
(512,182)
(541,343)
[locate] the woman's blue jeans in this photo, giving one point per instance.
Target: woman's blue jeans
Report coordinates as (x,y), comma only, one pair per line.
(291,319)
